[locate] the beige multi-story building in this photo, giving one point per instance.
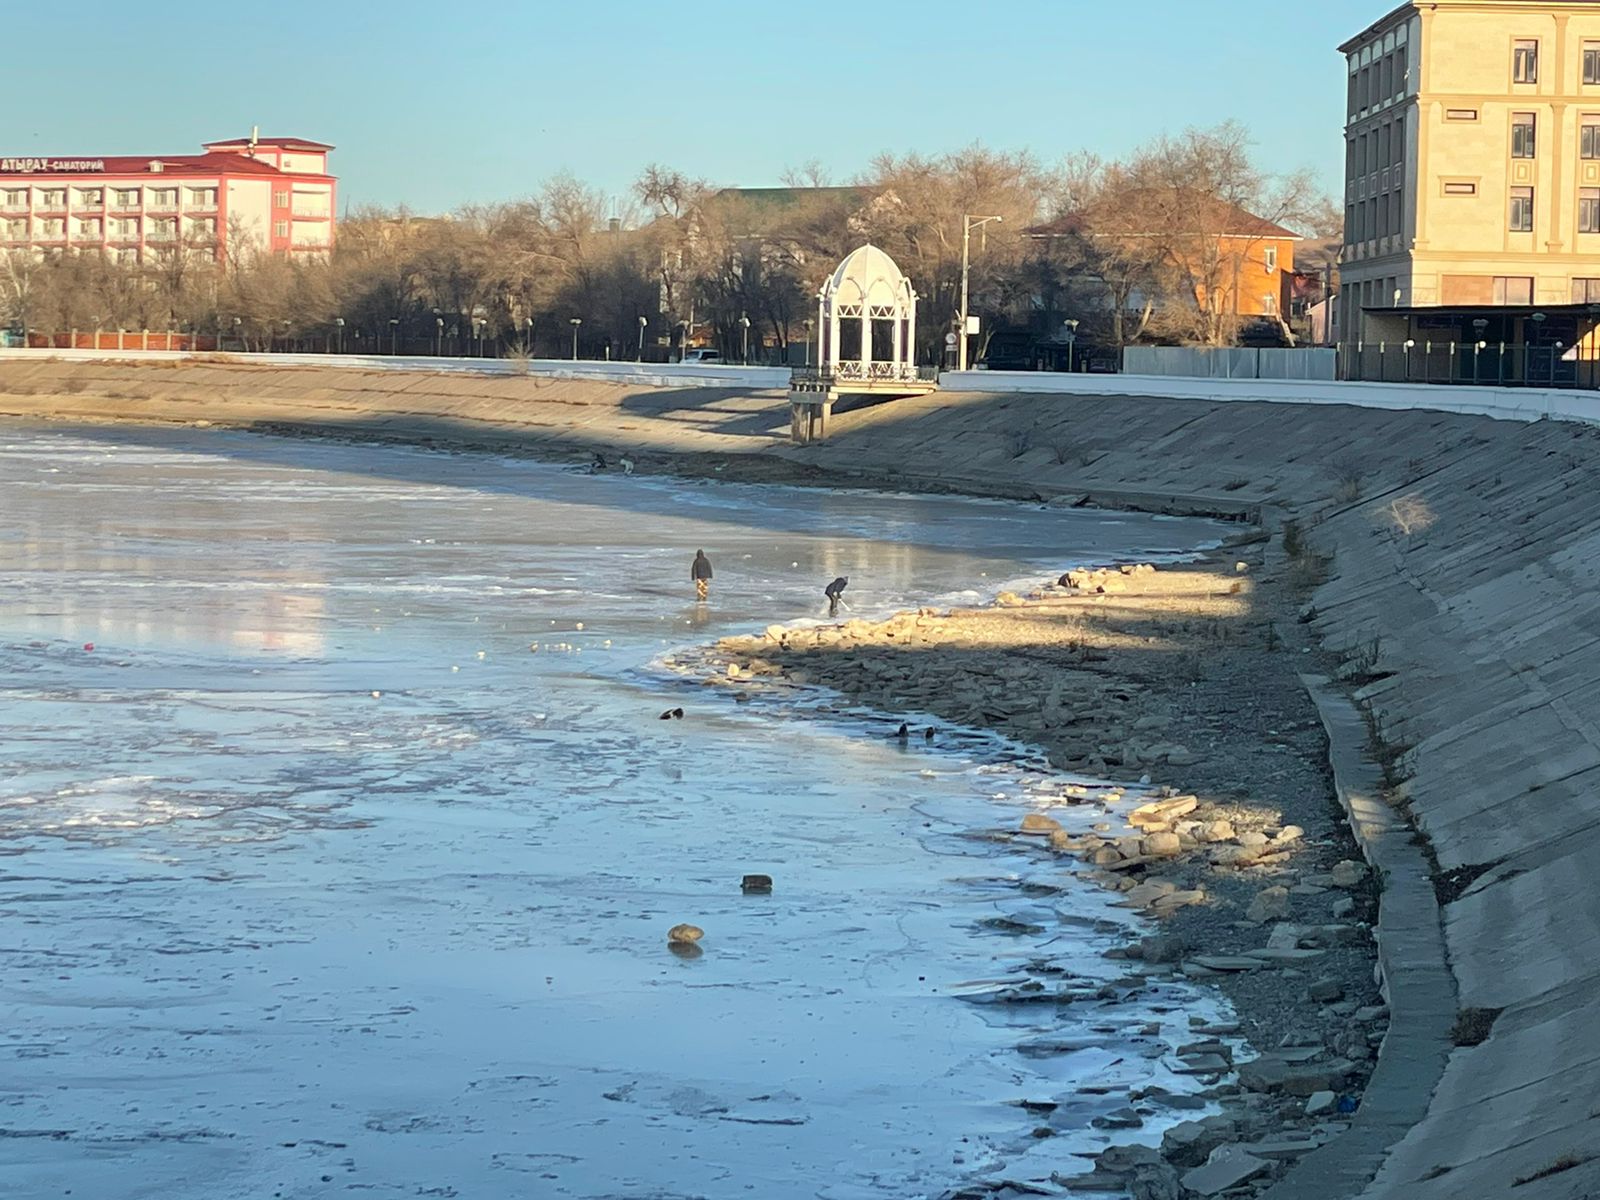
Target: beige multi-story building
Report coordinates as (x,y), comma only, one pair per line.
(1472,203)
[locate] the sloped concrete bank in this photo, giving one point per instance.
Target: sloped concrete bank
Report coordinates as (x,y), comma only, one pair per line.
(1452,562)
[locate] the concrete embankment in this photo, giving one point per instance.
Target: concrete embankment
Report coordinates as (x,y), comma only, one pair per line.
(1462,563)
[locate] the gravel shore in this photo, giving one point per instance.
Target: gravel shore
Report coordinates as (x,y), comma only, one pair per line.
(1176,683)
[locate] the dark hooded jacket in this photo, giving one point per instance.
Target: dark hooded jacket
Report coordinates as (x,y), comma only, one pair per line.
(702,566)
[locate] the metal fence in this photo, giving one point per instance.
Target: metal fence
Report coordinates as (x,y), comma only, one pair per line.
(1243,362)
(1482,364)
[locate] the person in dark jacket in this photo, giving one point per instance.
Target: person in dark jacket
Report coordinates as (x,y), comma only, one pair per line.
(834,591)
(700,572)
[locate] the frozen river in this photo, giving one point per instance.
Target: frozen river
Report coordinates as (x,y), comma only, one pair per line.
(316,879)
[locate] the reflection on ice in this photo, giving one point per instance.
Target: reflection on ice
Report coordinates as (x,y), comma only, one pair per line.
(318,879)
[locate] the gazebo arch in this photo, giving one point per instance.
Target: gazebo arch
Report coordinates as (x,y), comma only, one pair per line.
(867,315)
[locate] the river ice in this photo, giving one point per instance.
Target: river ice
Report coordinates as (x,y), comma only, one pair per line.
(342,864)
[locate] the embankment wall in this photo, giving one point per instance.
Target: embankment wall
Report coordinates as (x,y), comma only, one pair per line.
(1464,575)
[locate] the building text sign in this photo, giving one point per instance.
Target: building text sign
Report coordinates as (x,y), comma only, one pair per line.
(41,166)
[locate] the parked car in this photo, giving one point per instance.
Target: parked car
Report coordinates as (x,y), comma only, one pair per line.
(699,354)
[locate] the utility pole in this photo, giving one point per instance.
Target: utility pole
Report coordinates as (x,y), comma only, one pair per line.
(968,224)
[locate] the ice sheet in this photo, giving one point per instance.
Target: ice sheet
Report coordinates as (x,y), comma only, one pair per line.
(317,879)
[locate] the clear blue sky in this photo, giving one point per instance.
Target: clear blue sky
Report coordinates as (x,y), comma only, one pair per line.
(437,104)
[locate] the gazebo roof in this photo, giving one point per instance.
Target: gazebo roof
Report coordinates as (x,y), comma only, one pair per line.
(872,275)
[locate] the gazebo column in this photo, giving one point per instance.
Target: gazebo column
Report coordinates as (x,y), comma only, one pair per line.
(899,343)
(822,329)
(833,335)
(866,340)
(911,330)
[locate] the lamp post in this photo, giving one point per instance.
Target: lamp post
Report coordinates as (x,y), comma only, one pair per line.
(809,324)
(1479,325)
(477,328)
(237,335)
(575,322)
(338,325)
(1410,344)
(394,335)
(683,341)
(1072,341)
(643,321)
(968,224)
(744,339)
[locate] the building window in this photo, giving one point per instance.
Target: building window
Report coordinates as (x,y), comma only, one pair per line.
(1400,71)
(1271,256)
(1589,210)
(15,198)
(125,198)
(280,229)
(1521,210)
(280,199)
(1586,291)
(1460,187)
(1460,114)
(128,257)
(1525,61)
(164,198)
(1269,303)
(90,198)
(53,199)
(202,197)
(1591,62)
(1523,135)
(1512,289)
(1589,137)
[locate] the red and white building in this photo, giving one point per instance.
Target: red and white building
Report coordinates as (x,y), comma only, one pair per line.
(272,193)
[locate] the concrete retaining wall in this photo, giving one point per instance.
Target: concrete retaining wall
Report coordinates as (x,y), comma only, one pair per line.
(1509,404)
(1465,560)
(642,374)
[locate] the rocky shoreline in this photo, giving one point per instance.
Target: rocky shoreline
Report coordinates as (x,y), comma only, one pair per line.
(1231,842)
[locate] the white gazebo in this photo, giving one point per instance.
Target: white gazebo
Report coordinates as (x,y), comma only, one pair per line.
(867,323)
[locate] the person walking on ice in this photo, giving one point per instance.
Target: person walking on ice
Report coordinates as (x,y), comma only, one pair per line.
(700,572)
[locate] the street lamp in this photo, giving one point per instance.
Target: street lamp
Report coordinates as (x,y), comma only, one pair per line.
(477,328)
(744,338)
(394,336)
(1411,344)
(338,324)
(575,322)
(643,321)
(438,334)
(1072,341)
(683,341)
(809,324)
(968,224)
